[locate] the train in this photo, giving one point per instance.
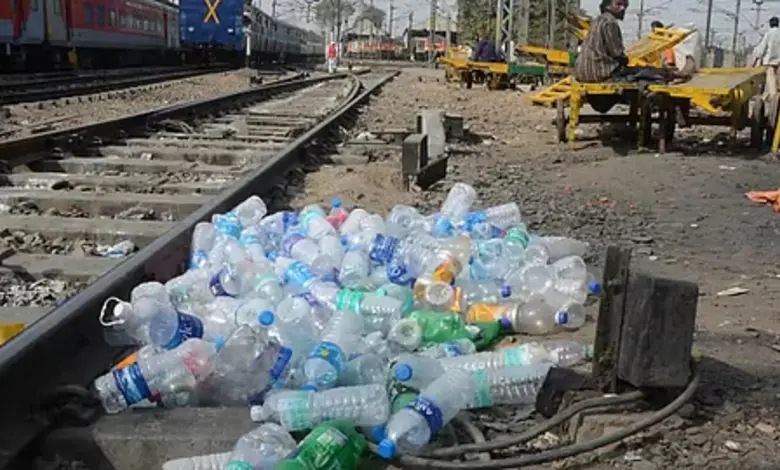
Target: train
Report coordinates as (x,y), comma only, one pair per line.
(44,35)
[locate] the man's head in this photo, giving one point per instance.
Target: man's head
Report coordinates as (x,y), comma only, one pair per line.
(656,25)
(774,22)
(616,7)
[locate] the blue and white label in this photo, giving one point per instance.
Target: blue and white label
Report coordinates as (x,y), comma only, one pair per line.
(452,350)
(330,353)
(198,259)
(282,359)
(429,411)
(131,383)
(397,274)
(215,284)
(383,249)
(289,243)
(516,356)
(289,219)
(309,299)
(248,239)
(299,274)
(190,326)
(483,398)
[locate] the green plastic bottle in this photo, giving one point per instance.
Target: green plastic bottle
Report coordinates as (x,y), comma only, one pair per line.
(333,445)
(486,333)
(439,327)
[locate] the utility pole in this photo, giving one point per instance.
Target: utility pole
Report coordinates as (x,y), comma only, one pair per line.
(758,4)
(273,8)
(708,28)
(390,21)
(432,35)
(641,17)
(551,20)
(409,35)
(447,32)
(736,30)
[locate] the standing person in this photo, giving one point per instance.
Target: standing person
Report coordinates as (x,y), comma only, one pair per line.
(767,53)
(331,55)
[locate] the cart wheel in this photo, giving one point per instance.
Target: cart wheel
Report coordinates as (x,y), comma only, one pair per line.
(561,123)
(758,123)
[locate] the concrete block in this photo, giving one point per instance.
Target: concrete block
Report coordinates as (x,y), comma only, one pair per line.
(431,173)
(414,156)
(145,439)
(431,123)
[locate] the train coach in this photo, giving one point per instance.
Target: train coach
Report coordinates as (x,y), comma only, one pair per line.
(47,34)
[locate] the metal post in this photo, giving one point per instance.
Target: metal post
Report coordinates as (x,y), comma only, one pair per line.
(759,4)
(641,17)
(736,30)
(273,8)
(432,35)
(708,28)
(505,32)
(390,20)
(338,31)
(447,33)
(551,24)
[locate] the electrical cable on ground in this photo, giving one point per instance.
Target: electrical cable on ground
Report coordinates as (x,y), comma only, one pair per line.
(560,453)
(473,432)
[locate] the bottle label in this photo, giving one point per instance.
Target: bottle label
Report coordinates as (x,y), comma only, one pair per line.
(282,359)
(483,398)
(250,239)
(131,383)
(331,353)
(396,273)
(239,465)
(299,274)
(430,411)
(446,271)
(516,356)
(308,218)
(485,312)
(289,219)
(309,299)
(296,414)
(190,326)
(452,350)
(383,248)
(229,225)
(289,242)
(198,259)
(518,235)
(349,300)
(215,284)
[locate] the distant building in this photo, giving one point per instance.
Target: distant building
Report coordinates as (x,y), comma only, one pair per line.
(417,41)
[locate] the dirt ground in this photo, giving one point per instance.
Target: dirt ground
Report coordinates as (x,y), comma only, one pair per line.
(686,216)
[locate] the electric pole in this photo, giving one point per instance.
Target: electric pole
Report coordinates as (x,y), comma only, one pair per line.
(641,17)
(273,8)
(708,28)
(409,36)
(432,34)
(390,20)
(758,4)
(736,30)
(551,24)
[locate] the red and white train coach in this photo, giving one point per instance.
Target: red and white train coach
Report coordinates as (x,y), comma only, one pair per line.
(99,33)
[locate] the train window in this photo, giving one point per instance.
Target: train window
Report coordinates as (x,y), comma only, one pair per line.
(101,15)
(136,22)
(112,17)
(88,13)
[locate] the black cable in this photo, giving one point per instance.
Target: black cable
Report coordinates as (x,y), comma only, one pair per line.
(563,452)
(539,429)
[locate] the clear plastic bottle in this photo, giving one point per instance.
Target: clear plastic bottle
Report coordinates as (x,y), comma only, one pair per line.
(252,240)
(417,423)
(299,334)
(339,340)
(373,223)
(261,449)
(417,371)
(303,249)
(332,247)
(406,333)
(295,410)
(561,247)
(299,276)
(369,304)
(536,254)
(364,369)
(146,377)
(355,268)
(337,214)
(562,353)
(503,216)
(403,220)
(315,224)
(203,236)
(402,293)
(458,202)
(352,224)
(454,348)
(199,462)
(516,385)
(383,248)
(279,222)
(250,211)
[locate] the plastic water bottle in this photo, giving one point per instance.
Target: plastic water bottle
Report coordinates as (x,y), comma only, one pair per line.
(203,236)
(406,333)
(199,462)
(303,249)
(369,304)
(295,410)
(562,353)
(364,369)
(146,377)
(417,371)
(315,224)
(503,216)
(252,240)
(332,247)
(415,425)
(458,202)
(338,215)
(250,211)
(402,220)
(297,334)
(355,268)
(352,224)
(262,448)
(455,348)
(298,276)
(327,360)
(508,386)
(561,247)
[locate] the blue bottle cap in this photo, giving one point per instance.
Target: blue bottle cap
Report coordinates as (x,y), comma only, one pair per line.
(219,341)
(265,318)
(344,240)
(505,323)
(562,318)
(386,449)
(594,287)
(309,387)
(403,372)
(377,433)
(335,203)
(443,226)
(506,291)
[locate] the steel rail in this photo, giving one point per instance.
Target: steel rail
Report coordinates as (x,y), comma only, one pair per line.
(67,345)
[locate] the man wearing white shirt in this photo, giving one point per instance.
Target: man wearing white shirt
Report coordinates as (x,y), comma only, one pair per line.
(767,53)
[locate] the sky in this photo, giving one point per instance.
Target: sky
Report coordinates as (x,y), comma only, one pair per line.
(680,12)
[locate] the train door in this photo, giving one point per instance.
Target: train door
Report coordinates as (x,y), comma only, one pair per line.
(32,28)
(18,17)
(56,30)
(165,30)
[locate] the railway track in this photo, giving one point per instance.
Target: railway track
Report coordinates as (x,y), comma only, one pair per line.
(13,91)
(147,179)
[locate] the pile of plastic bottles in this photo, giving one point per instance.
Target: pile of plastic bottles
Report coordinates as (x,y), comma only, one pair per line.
(382,323)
